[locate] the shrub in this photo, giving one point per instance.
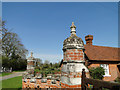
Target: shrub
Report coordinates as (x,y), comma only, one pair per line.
(36,71)
(97,73)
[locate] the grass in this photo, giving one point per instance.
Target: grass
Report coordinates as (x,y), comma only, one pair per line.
(15,82)
(4,74)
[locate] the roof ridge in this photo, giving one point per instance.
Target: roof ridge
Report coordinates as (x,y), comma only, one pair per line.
(102,46)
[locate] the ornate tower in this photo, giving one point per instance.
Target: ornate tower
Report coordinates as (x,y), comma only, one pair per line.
(31,62)
(73,60)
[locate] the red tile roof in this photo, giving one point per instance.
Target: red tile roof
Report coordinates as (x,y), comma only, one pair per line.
(102,53)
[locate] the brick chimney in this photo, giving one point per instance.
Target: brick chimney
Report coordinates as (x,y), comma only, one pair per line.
(89,39)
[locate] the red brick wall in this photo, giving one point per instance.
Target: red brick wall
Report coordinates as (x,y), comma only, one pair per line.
(30,63)
(48,84)
(113,71)
(94,65)
(69,86)
(73,54)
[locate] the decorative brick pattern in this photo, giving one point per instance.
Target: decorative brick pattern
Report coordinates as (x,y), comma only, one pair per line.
(48,84)
(73,54)
(30,63)
(69,86)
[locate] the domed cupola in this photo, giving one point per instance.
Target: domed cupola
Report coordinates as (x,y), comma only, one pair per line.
(73,42)
(73,60)
(31,57)
(31,62)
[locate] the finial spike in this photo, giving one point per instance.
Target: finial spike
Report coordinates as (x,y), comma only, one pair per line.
(73,27)
(31,54)
(72,23)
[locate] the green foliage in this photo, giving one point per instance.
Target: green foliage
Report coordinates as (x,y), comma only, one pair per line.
(16,64)
(5,62)
(37,70)
(117,79)
(13,51)
(97,73)
(48,68)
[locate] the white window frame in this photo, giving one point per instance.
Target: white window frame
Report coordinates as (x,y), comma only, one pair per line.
(106,68)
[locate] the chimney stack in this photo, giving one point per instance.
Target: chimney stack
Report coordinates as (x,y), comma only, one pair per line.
(89,39)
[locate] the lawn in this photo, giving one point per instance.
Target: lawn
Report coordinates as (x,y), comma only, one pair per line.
(15,82)
(4,74)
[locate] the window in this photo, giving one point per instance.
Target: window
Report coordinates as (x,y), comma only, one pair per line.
(106,68)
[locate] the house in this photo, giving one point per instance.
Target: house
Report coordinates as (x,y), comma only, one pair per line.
(93,56)
(102,56)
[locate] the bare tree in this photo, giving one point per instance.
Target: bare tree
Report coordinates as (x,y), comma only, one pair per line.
(11,43)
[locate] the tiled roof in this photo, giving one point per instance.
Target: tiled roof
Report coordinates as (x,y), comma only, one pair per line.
(102,53)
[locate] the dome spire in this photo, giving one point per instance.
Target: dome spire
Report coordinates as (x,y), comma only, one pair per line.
(31,54)
(73,27)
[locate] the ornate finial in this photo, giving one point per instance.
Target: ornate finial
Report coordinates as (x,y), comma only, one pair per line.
(72,23)
(73,27)
(31,54)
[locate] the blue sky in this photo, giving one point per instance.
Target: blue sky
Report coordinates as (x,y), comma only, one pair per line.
(42,27)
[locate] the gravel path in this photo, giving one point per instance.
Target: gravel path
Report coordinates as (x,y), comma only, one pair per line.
(15,74)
